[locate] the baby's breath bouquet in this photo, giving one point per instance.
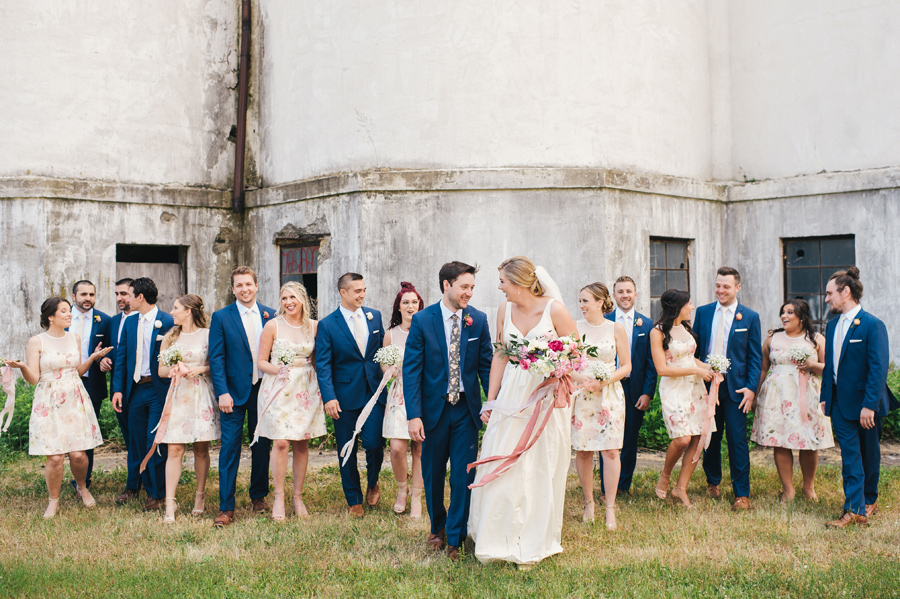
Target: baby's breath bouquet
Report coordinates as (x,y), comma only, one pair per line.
(284,356)
(172,355)
(719,363)
(602,371)
(799,353)
(389,356)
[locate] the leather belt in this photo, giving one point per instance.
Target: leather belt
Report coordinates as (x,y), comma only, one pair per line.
(144,380)
(462,397)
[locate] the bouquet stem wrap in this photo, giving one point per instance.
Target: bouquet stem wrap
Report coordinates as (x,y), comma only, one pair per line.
(712,400)
(284,376)
(8,378)
(347,449)
(562,391)
(176,373)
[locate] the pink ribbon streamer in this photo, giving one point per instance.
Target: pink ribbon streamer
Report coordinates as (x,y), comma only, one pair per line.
(562,395)
(8,379)
(712,400)
(177,372)
(802,382)
(347,449)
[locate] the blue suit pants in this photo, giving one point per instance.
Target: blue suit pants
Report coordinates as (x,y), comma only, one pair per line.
(132,461)
(144,410)
(372,443)
(732,422)
(860,460)
(230,454)
(634,418)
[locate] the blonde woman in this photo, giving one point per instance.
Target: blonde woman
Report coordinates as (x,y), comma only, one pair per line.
(598,423)
(290,405)
(193,412)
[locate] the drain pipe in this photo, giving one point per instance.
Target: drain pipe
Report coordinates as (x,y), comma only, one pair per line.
(237,198)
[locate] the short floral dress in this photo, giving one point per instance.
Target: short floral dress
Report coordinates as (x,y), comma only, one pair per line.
(598,421)
(778,422)
(62,416)
(395,425)
(195,411)
(683,398)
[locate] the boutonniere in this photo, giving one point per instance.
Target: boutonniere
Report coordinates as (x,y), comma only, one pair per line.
(96,318)
(739,316)
(467,319)
(157,324)
(266,315)
(639,322)
(368,315)
(856,322)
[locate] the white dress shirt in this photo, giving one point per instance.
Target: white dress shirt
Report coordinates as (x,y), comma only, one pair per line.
(448,327)
(348,316)
(150,333)
(843,326)
(82,324)
(122,326)
(254,310)
(726,312)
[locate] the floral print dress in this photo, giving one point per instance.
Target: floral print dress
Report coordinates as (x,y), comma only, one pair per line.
(195,411)
(598,421)
(778,421)
(396,426)
(683,398)
(62,417)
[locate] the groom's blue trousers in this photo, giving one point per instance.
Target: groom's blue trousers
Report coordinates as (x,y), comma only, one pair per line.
(731,422)
(860,459)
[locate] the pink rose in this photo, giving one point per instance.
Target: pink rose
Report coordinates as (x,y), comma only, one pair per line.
(793,438)
(524,364)
(771,441)
(556,345)
(577,424)
(206,415)
(604,418)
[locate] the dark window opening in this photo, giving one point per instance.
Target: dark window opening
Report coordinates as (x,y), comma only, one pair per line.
(301,264)
(808,264)
(669,269)
(166,265)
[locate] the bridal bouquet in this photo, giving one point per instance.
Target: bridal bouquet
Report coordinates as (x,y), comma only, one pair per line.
(719,363)
(799,353)
(389,356)
(602,371)
(172,355)
(284,355)
(547,357)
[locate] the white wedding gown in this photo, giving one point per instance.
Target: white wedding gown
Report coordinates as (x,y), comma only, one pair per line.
(518,516)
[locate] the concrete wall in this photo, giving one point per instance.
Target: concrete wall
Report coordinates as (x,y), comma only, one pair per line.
(358,85)
(813,86)
(118,91)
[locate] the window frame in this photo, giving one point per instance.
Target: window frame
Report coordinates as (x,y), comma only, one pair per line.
(687,265)
(819,324)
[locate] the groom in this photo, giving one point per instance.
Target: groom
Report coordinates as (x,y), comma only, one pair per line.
(727,328)
(448,351)
(855,393)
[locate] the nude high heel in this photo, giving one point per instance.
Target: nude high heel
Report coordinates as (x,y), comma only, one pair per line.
(171,506)
(199,503)
(86,496)
(402,496)
(299,507)
(415,504)
(51,508)
(278,508)
(662,486)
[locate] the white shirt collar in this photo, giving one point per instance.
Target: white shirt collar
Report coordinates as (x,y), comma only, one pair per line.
(447,313)
(732,308)
(245,310)
(348,314)
(620,314)
(852,313)
(151,315)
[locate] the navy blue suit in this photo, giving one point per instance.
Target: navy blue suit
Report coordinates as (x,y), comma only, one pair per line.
(352,377)
(231,371)
(861,383)
(145,402)
(451,432)
(94,380)
(133,461)
(641,381)
(744,350)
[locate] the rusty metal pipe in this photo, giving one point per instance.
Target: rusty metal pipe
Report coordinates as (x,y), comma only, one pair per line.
(237,197)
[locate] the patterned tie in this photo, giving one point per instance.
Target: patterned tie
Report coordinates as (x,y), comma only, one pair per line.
(453,396)
(139,353)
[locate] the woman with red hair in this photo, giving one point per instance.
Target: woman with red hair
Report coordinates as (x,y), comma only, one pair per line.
(396,427)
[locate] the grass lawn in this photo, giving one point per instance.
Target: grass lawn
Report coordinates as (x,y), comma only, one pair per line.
(660,550)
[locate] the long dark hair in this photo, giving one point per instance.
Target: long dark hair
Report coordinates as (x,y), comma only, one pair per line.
(671,302)
(405,287)
(801,309)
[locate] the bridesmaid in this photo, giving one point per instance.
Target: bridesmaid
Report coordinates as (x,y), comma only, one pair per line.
(62,417)
(396,427)
(194,415)
(779,422)
(598,422)
(290,406)
(681,389)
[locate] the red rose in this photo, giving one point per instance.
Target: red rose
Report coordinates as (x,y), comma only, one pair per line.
(556,345)
(739,316)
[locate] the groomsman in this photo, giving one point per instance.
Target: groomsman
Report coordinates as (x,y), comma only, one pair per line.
(448,352)
(727,328)
(137,384)
(234,333)
(855,393)
(92,326)
(346,342)
(107,364)
(640,385)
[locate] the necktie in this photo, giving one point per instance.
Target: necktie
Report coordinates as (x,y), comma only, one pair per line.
(719,345)
(838,344)
(453,395)
(360,332)
(249,319)
(625,321)
(139,353)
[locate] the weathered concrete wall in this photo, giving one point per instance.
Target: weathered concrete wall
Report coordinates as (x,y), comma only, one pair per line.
(813,86)
(359,85)
(119,91)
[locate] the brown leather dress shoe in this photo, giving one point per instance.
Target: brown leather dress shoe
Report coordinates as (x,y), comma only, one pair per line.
(848,519)
(741,503)
(152,505)
(125,496)
(871,509)
(453,553)
(436,541)
(356,511)
(373,496)
(259,505)
(224,519)
(713,491)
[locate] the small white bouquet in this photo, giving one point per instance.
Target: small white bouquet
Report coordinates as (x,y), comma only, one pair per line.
(172,355)
(284,356)
(719,363)
(799,353)
(602,371)
(391,355)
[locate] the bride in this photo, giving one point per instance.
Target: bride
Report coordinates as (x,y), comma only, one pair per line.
(517,516)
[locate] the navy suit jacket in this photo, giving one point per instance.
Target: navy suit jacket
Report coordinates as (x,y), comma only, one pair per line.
(426,364)
(744,347)
(112,335)
(230,360)
(95,382)
(127,352)
(862,370)
(344,374)
(643,372)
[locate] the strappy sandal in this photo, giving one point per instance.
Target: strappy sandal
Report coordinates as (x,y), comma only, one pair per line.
(199,503)
(169,518)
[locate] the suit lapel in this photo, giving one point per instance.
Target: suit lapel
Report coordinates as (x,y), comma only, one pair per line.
(239,324)
(850,330)
(734,322)
(463,341)
(342,324)
(438,322)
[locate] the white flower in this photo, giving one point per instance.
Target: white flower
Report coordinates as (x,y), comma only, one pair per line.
(369,315)
(719,363)
(284,355)
(391,355)
(172,355)
(602,371)
(157,324)
(800,352)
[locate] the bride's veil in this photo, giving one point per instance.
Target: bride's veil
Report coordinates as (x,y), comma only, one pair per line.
(551,289)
